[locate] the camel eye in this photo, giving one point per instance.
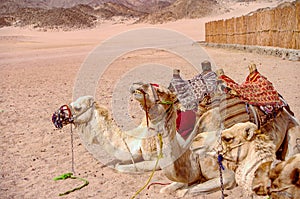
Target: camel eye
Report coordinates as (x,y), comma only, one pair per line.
(227,139)
(77,109)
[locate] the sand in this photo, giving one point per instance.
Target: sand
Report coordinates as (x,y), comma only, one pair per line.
(38,71)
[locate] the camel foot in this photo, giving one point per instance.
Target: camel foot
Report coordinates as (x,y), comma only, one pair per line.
(181,193)
(139,167)
(174,186)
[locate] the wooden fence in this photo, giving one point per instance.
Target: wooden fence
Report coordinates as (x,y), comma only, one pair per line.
(278,27)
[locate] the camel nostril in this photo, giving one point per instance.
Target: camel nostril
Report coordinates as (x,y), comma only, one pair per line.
(256,188)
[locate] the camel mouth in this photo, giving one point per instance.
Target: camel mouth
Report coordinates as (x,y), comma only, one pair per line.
(138,91)
(139,94)
(62,117)
(259,190)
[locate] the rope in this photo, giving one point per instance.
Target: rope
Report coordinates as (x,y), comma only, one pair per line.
(70,175)
(72,150)
(160,155)
(131,156)
(221,167)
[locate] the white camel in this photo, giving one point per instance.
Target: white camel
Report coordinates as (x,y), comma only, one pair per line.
(106,141)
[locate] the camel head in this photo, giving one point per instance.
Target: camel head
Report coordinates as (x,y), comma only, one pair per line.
(236,140)
(154,99)
(77,112)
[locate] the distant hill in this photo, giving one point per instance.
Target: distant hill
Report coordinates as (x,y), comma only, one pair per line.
(181,9)
(77,14)
(46,16)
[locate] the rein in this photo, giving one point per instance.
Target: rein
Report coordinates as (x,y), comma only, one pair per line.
(282,191)
(159,156)
(146,108)
(61,117)
(230,149)
(92,106)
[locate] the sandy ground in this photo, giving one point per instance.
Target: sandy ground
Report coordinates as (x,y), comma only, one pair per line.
(38,71)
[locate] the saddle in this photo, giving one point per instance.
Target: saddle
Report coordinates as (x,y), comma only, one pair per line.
(256,90)
(191,92)
(233,110)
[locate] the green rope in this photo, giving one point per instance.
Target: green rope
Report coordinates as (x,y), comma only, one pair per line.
(166,102)
(70,175)
(160,155)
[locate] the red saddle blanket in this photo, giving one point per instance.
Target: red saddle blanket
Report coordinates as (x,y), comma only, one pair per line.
(185,123)
(256,90)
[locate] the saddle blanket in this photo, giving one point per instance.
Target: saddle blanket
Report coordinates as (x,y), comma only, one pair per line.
(185,123)
(256,90)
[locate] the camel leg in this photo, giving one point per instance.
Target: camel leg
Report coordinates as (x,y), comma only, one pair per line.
(214,184)
(171,188)
(143,166)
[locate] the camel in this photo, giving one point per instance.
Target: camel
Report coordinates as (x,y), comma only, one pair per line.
(248,149)
(268,99)
(160,113)
(105,140)
(245,148)
(192,171)
(279,179)
(207,119)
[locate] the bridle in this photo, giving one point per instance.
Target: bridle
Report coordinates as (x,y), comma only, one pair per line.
(158,101)
(282,191)
(229,149)
(63,116)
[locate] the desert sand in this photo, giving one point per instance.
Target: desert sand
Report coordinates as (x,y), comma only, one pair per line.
(38,71)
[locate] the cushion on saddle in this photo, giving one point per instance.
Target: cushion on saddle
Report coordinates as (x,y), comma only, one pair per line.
(256,90)
(191,92)
(185,123)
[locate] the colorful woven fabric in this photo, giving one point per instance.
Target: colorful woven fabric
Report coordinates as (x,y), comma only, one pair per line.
(191,92)
(184,93)
(232,110)
(203,84)
(256,90)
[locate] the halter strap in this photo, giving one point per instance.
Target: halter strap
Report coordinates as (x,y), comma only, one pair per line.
(157,101)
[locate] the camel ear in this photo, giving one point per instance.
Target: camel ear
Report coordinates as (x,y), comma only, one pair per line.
(161,89)
(249,133)
(91,101)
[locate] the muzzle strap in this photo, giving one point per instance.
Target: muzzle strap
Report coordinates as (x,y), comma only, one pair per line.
(62,116)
